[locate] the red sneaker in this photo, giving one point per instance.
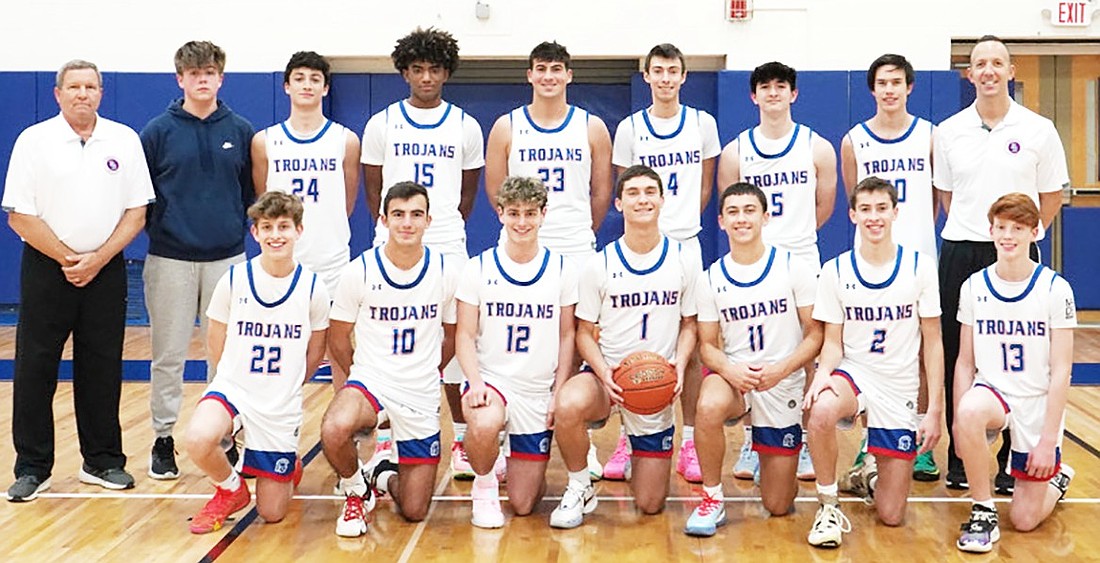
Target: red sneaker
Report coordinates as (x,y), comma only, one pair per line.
(219,508)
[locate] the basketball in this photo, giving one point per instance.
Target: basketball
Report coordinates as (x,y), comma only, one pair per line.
(648,382)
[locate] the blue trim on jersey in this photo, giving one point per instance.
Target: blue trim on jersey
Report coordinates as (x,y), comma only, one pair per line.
(418,450)
(514,281)
(661,260)
(423,270)
(535,447)
(892,442)
(680,127)
(231,278)
(790,145)
(1027,290)
(405,114)
(1018,465)
(289,291)
(278,466)
(890,141)
(658,444)
(883,285)
(535,126)
(221,398)
(321,133)
(764,274)
(777,441)
(312,286)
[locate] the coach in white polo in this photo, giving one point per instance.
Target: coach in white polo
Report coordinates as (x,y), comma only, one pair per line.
(987,150)
(76,192)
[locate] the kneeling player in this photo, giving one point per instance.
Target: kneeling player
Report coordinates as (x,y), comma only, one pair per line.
(878,302)
(515,343)
(399,298)
(758,302)
(641,291)
(267,334)
(1013,371)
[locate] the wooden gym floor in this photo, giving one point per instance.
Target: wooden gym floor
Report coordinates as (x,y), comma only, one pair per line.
(76,522)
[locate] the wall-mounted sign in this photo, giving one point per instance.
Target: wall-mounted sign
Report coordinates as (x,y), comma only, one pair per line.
(1067,13)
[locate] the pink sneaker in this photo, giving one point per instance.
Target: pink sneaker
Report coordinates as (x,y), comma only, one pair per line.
(687,465)
(500,468)
(460,464)
(486,500)
(618,467)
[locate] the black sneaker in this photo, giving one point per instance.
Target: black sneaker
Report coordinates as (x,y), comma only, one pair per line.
(956,479)
(232,455)
(979,533)
(162,461)
(374,474)
(115,478)
(1004,484)
(27,487)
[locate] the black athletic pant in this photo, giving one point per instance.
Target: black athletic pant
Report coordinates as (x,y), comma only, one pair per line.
(50,309)
(958,261)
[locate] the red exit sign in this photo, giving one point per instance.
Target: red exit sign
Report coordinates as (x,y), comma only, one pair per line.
(1072,13)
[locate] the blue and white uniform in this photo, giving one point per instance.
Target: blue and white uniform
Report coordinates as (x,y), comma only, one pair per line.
(881,308)
(259,377)
(399,317)
(1011,324)
(756,307)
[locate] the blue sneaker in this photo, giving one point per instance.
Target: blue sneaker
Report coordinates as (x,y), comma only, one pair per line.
(805,465)
(706,517)
(747,464)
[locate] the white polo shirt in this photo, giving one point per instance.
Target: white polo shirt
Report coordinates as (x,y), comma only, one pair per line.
(1023,153)
(79,190)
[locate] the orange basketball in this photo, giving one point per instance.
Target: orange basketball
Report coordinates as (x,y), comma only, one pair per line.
(648,382)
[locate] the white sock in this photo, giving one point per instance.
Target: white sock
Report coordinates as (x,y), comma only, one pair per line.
(231,484)
(580,479)
(383,482)
(987,504)
(460,430)
(827,490)
(748,434)
(356,484)
(714,492)
(487,481)
(689,434)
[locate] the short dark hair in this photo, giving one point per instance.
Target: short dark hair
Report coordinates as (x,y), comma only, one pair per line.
(310,60)
(890,59)
(431,45)
(199,54)
(635,171)
(987,38)
(666,51)
(743,188)
(550,51)
(276,204)
(403,191)
(773,71)
(873,184)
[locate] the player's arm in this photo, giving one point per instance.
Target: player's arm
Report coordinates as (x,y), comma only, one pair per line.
(470,179)
(567,334)
(964,365)
(351,171)
(729,166)
(707,185)
(259,162)
(38,234)
(589,350)
(685,347)
(825,164)
(849,170)
(465,339)
(937,195)
(338,340)
(1050,203)
(215,341)
(599,141)
(1040,461)
(372,183)
(315,352)
(813,333)
(496,157)
(832,351)
(448,345)
(932,348)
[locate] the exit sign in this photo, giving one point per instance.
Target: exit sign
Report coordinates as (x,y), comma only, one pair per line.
(1072,13)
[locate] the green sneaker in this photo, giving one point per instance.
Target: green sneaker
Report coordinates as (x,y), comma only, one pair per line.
(924,468)
(861,456)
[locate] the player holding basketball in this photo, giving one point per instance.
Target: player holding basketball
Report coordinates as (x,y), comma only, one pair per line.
(267,321)
(565,146)
(399,299)
(429,141)
(1015,357)
(756,332)
(796,169)
(879,303)
(681,144)
(897,147)
(515,341)
(637,289)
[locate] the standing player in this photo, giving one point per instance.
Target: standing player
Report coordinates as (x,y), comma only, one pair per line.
(267,335)
(1015,357)
(434,143)
(756,332)
(317,160)
(897,147)
(399,299)
(639,289)
(515,341)
(880,303)
(796,169)
(681,144)
(565,146)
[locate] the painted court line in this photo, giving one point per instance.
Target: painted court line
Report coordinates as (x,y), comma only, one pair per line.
(406,554)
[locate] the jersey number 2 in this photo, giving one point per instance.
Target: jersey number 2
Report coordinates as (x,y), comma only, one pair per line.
(272,355)
(303,190)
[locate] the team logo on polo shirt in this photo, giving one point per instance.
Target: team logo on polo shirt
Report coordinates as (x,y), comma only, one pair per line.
(112,164)
(1013,146)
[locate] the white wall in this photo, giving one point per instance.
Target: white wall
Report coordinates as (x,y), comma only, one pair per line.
(259,35)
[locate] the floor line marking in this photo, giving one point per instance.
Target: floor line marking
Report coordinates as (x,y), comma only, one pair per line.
(414,539)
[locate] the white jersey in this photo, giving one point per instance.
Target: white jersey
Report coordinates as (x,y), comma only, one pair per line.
(784,169)
(562,157)
(399,317)
(519,325)
(756,305)
(905,162)
(311,166)
(269,322)
(880,308)
(637,299)
(1012,324)
(675,148)
(431,147)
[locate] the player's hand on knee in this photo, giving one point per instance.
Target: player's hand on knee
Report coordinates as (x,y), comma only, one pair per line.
(1041,460)
(821,383)
(608,381)
(550,413)
(928,433)
(477,395)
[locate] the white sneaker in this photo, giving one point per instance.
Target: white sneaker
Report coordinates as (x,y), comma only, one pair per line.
(805,470)
(352,522)
(830,525)
(575,503)
(748,463)
(595,468)
(486,510)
